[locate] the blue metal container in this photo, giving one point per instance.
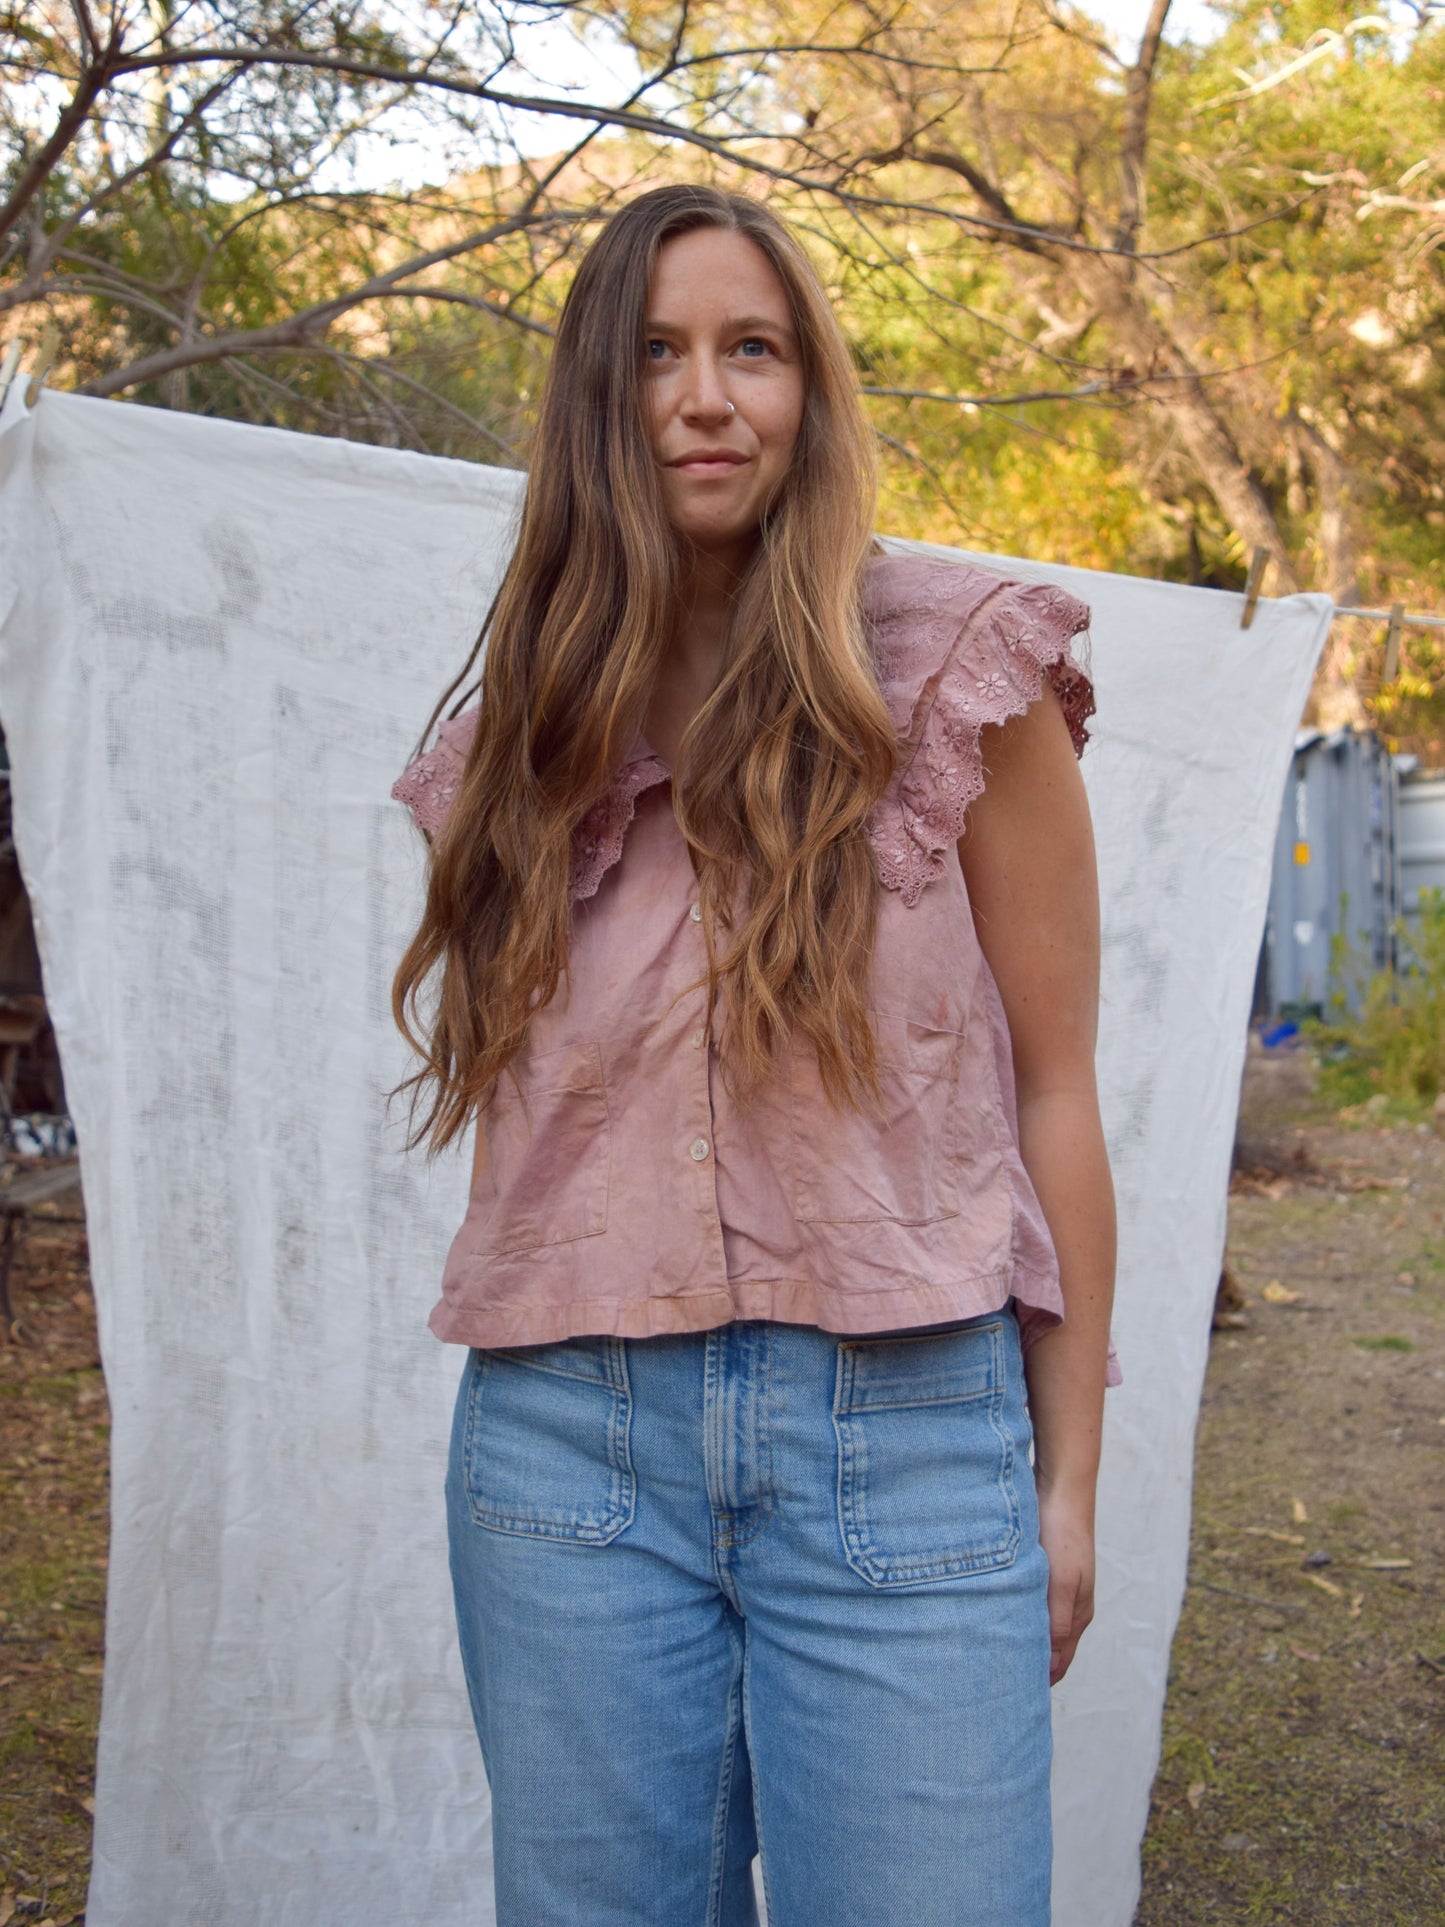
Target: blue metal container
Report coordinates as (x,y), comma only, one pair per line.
(1336,873)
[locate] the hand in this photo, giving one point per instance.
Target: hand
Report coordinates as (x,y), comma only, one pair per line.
(1066,1530)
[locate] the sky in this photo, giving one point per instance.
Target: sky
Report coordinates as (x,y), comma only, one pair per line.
(555,52)
(1188,19)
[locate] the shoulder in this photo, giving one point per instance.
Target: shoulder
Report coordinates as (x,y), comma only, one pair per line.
(957,647)
(981,642)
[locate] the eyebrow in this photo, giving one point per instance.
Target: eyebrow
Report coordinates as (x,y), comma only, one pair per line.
(731,324)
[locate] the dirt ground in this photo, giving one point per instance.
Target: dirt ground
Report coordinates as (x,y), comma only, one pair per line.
(54,1445)
(1303,1770)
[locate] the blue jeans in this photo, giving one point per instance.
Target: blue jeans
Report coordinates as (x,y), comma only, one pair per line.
(757,1590)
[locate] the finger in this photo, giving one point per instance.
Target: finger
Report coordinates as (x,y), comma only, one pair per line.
(1064,1605)
(1061,1657)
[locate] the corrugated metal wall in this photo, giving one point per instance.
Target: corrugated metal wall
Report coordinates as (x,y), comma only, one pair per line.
(1336,868)
(1421,837)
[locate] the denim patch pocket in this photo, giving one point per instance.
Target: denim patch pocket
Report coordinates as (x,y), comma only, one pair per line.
(926,1484)
(546,1448)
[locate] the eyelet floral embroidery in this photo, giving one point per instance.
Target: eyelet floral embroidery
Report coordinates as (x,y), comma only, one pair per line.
(597,841)
(958,649)
(955,648)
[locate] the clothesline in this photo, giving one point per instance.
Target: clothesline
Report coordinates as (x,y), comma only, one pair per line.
(1395,615)
(1388,615)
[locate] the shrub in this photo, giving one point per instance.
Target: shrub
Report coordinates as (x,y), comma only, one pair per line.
(1392,1043)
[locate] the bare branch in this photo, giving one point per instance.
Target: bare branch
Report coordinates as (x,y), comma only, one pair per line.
(305,328)
(440,401)
(1025,234)
(1006,401)
(91,85)
(1137,100)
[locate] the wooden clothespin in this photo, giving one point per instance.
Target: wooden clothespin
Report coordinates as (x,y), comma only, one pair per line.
(49,342)
(1258,563)
(8,364)
(1392,641)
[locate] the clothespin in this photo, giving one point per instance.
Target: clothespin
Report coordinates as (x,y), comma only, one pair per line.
(49,342)
(1392,641)
(8,365)
(1258,563)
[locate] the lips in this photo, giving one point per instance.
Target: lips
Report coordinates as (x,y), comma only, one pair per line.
(705,459)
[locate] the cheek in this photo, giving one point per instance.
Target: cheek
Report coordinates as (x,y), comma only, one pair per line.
(654,412)
(787,421)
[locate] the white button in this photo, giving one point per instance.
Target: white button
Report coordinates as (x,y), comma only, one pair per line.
(699,1038)
(697,1150)
(696,913)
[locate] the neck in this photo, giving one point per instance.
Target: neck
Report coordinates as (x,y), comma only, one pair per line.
(704,609)
(693,661)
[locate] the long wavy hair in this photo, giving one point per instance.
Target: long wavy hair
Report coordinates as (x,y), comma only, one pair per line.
(776,773)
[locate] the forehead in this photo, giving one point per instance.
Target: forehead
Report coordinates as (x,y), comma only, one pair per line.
(716,272)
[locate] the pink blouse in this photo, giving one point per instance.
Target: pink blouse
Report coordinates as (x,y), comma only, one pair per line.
(626,1191)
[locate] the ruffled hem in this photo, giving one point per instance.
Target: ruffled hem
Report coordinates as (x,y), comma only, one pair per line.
(984,661)
(955,648)
(428,786)
(597,841)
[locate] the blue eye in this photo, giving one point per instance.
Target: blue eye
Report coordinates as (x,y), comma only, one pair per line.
(656,350)
(753,341)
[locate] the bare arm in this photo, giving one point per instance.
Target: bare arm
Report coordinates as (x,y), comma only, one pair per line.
(1028,862)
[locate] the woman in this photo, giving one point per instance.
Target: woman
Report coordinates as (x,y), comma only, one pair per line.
(779,1023)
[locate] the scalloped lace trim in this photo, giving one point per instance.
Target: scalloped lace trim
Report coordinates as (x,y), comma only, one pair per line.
(428,786)
(597,841)
(995,668)
(993,662)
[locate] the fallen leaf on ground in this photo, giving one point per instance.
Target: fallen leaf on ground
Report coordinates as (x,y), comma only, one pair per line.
(1196,1793)
(1325,1585)
(1300,1653)
(1279,1294)
(1298,1513)
(1356,1602)
(1268,1532)
(1386,1565)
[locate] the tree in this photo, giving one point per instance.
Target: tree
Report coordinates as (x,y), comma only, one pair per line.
(1150,313)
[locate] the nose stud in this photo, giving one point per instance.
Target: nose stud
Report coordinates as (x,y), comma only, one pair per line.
(732,408)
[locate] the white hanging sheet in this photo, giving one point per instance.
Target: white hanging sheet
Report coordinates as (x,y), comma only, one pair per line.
(217,645)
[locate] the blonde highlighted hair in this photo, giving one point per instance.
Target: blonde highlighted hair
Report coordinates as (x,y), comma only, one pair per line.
(775,775)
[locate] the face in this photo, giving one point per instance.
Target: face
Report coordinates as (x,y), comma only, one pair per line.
(724,386)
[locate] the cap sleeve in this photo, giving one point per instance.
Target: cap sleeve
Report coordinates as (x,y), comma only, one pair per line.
(428,785)
(959,648)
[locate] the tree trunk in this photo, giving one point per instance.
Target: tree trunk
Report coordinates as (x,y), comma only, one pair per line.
(1184,397)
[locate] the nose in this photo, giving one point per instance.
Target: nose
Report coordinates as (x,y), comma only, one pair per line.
(705,398)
